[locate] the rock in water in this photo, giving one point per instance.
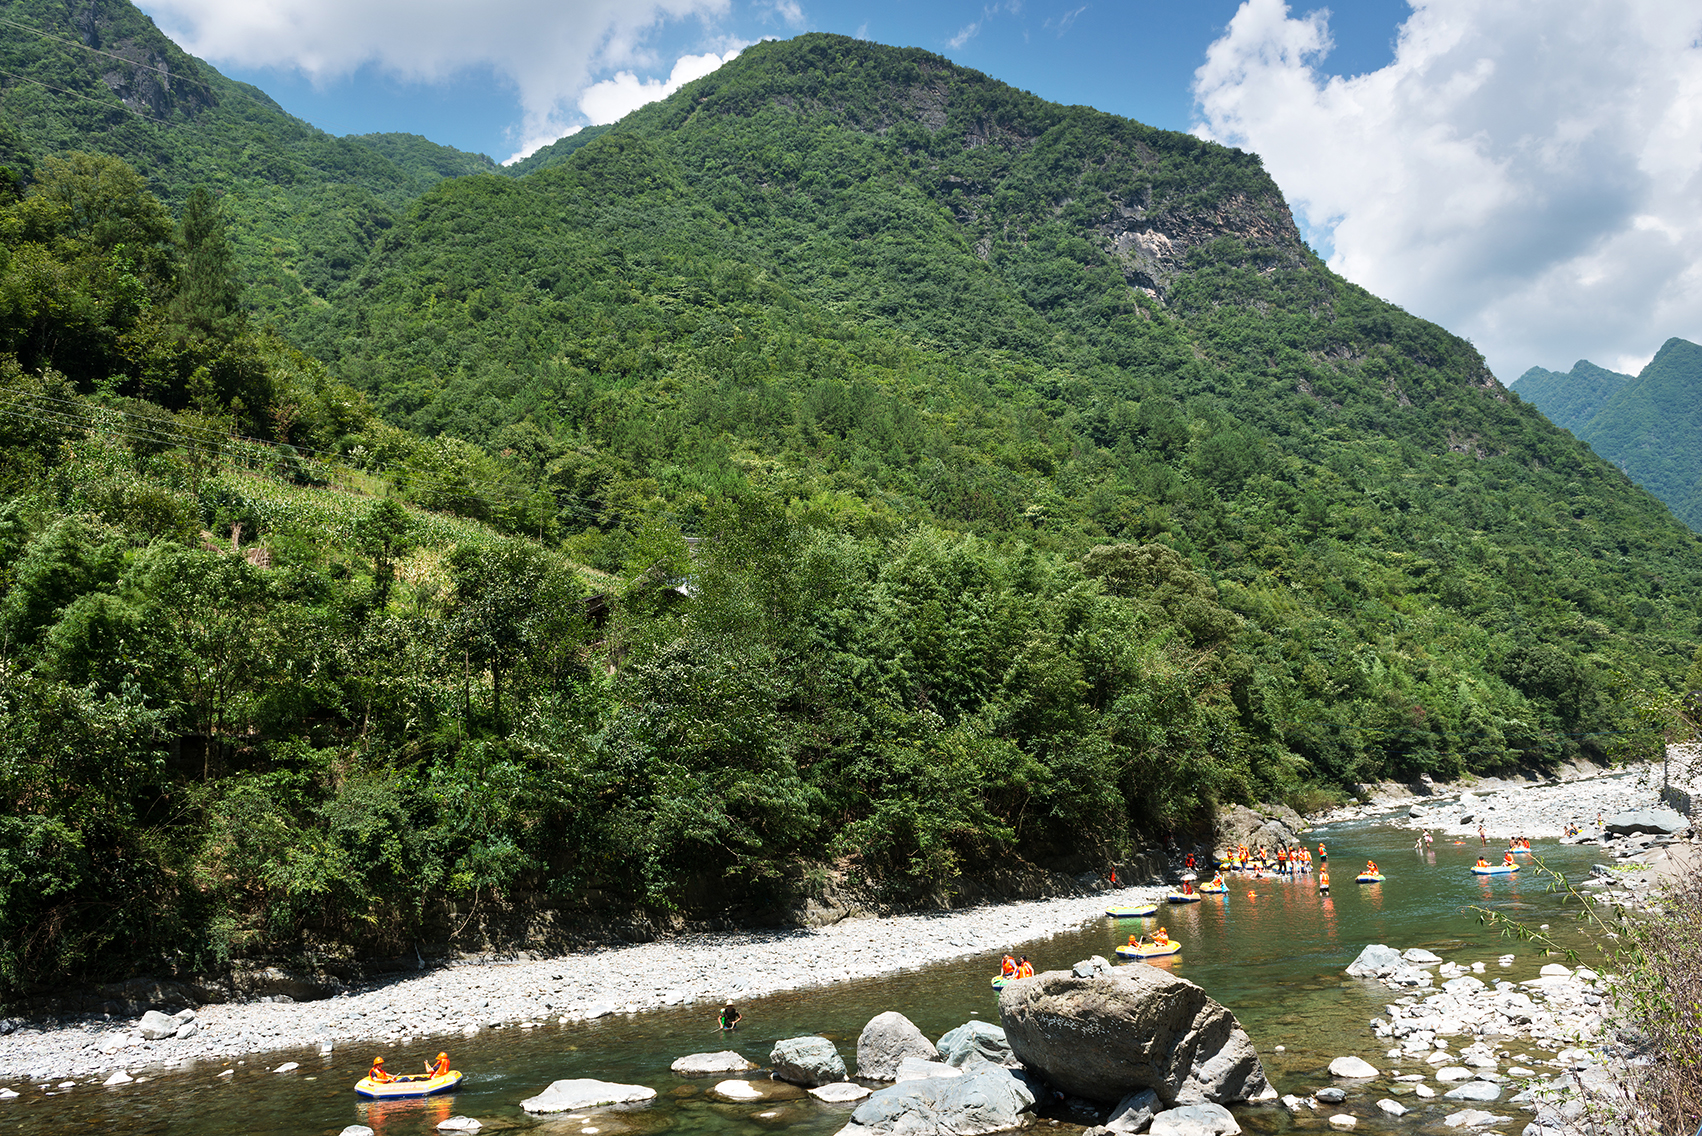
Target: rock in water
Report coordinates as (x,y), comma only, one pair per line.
(807,1061)
(1474,1091)
(1134,1112)
(460,1124)
(119,1077)
(1375,960)
(1195,1120)
(886,1041)
(706,1064)
(987,1100)
(156,1026)
(356,1130)
(840,1092)
(974,1042)
(738,1090)
(583,1092)
(1352,1067)
(1103,1038)
(916,1069)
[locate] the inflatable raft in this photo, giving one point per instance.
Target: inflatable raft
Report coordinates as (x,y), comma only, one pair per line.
(1148,951)
(1207,889)
(1183,897)
(420,1086)
(1137,912)
(1496,869)
(1368,878)
(1001,982)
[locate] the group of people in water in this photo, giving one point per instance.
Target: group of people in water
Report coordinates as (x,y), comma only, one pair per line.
(438,1068)
(1287,861)
(1160,938)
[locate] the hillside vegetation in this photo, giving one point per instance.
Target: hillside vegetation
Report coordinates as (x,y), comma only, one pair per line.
(1646,425)
(849,462)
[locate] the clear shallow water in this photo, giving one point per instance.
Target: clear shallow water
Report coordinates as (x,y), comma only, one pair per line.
(1272,950)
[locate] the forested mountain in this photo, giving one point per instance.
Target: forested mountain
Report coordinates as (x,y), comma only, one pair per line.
(1571,398)
(1647,426)
(848,465)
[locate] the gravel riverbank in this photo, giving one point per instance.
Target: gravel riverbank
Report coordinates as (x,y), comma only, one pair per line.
(468,997)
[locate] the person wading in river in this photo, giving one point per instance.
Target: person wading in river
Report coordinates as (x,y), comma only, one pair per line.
(730,1018)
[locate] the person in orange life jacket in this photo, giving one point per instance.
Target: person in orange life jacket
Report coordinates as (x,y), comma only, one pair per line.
(1371,867)
(1024,968)
(377,1072)
(439,1068)
(1007,967)
(1507,859)
(1482,863)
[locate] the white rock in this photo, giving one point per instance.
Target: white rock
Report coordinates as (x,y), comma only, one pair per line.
(1342,1121)
(459,1124)
(288,1067)
(1352,1067)
(119,1077)
(1420,956)
(1454,1073)
(1473,1118)
(1424,1091)
(1392,1107)
(738,1090)
(226,1072)
(1555,970)
(840,1092)
(7,1094)
(585,1092)
(356,1130)
(917,1069)
(156,1026)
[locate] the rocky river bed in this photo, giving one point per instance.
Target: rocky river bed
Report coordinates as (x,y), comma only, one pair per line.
(465,998)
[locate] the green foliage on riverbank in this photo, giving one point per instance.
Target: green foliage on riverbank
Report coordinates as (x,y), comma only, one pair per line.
(1041,489)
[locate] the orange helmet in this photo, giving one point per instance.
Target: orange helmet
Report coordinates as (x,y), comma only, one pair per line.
(441,1056)
(378,1060)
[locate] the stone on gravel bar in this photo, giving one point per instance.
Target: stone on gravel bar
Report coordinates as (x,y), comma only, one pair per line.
(7,1094)
(119,1077)
(156,1026)
(1662,821)
(807,1061)
(1374,961)
(585,1092)
(705,1064)
(840,1092)
(1353,1067)
(1195,1120)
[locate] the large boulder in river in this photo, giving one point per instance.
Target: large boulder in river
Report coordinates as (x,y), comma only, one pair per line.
(1237,824)
(986,1100)
(1105,1037)
(1375,961)
(1661,822)
(886,1041)
(974,1042)
(807,1061)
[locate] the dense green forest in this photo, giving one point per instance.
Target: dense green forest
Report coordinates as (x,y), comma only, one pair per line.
(849,464)
(1646,425)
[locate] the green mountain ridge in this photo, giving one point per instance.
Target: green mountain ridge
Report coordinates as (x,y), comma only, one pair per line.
(1643,425)
(847,464)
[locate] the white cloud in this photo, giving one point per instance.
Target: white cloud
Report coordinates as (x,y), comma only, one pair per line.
(613,99)
(787,12)
(1525,173)
(549,49)
(964,35)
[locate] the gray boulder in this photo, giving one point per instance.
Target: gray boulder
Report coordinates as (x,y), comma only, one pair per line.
(973,1042)
(840,1092)
(1663,821)
(988,1100)
(1375,961)
(584,1092)
(885,1042)
(1103,1038)
(1474,1091)
(154,1025)
(1195,1120)
(1352,1067)
(807,1061)
(1134,1112)
(1420,956)
(916,1069)
(707,1064)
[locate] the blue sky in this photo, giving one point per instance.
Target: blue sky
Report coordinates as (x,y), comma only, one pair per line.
(1525,173)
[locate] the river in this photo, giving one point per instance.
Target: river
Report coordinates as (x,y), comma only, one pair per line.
(1271,950)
